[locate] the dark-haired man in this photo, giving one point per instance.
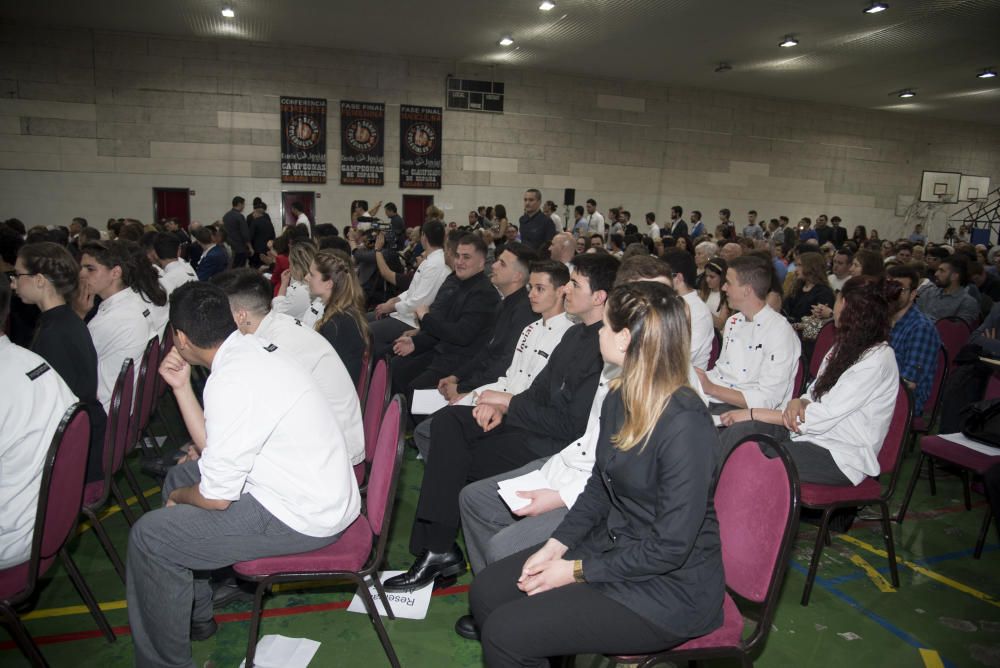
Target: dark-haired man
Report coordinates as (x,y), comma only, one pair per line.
(594,218)
(174,271)
(702,326)
(537,229)
(913,337)
(238,232)
(269,476)
(949,296)
(678,228)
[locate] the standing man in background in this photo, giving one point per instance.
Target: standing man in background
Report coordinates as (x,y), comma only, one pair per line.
(595,221)
(238,232)
(537,229)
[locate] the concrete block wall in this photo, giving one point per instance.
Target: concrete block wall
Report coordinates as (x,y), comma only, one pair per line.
(91,121)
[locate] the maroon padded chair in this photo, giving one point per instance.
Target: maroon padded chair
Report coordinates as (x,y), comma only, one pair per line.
(358,552)
(757,503)
(367,361)
(373,408)
(829,498)
(921,425)
(713,356)
(96,494)
(800,379)
(823,344)
(142,407)
(954,333)
(58,509)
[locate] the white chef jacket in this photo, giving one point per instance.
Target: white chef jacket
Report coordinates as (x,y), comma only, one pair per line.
(702,330)
(759,358)
(295,302)
(34,400)
(313,313)
(311,349)
(121,329)
(176,274)
(284,448)
(532,353)
(158,316)
(853,417)
(423,288)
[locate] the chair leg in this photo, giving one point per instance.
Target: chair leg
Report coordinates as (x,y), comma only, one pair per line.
(930,476)
(981,541)
(966,488)
(134,484)
(824,527)
(22,638)
(120,499)
(890,546)
(910,489)
(109,548)
(382,596)
(86,594)
(258,612)
(376,620)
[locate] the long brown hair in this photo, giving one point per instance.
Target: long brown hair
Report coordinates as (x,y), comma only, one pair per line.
(346,295)
(813,270)
(657,359)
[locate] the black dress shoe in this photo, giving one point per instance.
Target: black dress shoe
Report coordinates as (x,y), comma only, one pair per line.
(203,630)
(428,567)
(466,627)
(156,467)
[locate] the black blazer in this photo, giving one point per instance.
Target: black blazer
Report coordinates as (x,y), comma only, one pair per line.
(512,316)
(457,328)
(678,230)
(645,525)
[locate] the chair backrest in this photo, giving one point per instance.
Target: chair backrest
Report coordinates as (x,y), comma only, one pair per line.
(892,446)
(165,347)
(800,378)
(954,333)
(824,341)
(993,386)
(61,493)
(116,436)
(145,389)
(930,409)
(374,406)
(757,503)
(366,370)
(385,466)
(713,356)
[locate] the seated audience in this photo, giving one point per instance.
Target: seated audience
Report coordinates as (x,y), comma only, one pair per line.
(644,556)
(144,278)
(703,253)
(342,322)
(840,268)
(913,337)
(949,296)
(213,258)
(811,288)
(270,474)
(175,271)
(712,291)
(293,291)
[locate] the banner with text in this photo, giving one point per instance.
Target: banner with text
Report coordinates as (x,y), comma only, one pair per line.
(362,150)
(303,140)
(419,147)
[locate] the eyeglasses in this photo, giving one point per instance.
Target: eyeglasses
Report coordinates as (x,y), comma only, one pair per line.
(15,275)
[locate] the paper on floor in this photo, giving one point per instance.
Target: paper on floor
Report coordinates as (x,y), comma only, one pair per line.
(275,651)
(426,402)
(409,604)
(528,482)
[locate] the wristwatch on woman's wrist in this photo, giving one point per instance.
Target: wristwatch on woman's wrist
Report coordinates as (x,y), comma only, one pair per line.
(578,571)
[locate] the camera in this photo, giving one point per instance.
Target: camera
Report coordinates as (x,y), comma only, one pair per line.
(371,226)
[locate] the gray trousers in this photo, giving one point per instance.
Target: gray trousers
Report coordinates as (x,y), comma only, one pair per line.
(814,463)
(491,531)
(168,545)
(422,437)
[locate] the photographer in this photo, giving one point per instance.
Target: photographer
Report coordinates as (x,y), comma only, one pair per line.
(365,249)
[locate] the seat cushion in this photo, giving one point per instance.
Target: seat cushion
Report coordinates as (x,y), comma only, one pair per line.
(13,580)
(825,495)
(93,492)
(919,424)
(349,553)
(359,473)
(953,453)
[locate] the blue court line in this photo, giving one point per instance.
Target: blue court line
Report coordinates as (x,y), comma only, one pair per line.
(925,561)
(825,584)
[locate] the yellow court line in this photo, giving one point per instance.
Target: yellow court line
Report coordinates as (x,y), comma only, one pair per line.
(876,577)
(72,610)
(954,584)
(111,510)
(931,658)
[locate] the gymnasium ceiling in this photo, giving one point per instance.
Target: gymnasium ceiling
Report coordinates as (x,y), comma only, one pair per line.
(845,56)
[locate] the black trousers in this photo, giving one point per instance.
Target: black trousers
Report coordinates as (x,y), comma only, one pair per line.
(521,630)
(992,481)
(462,453)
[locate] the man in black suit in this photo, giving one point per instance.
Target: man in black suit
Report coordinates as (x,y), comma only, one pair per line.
(838,234)
(537,229)
(238,232)
(678,228)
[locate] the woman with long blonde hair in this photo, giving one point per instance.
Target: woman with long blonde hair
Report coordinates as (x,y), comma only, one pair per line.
(636,565)
(333,281)
(293,292)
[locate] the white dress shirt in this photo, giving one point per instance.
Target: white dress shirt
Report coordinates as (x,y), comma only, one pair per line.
(158,316)
(557,221)
(283,448)
(121,329)
(311,349)
(295,302)
(176,274)
(34,399)
(759,358)
(313,313)
(595,223)
(531,354)
(837,283)
(702,330)
(853,417)
(423,288)
(303,219)
(654,231)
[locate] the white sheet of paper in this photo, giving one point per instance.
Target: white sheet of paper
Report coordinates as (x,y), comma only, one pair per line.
(409,604)
(963,440)
(717,420)
(426,402)
(528,482)
(275,651)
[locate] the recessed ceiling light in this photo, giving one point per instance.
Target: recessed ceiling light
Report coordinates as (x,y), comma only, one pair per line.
(506,40)
(906,93)
(547,6)
(228,12)
(876,7)
(788,41)
(988,73)
(723,67)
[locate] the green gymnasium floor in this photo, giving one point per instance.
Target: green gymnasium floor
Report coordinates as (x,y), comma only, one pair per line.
(947,612)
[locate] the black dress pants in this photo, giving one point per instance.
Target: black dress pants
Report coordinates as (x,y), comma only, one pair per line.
(992,481)
(522,630)
(461,453)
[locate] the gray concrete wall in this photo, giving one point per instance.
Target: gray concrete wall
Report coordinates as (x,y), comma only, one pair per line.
(91,121)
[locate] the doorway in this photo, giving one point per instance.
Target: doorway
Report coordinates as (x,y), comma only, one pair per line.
(172,203)
(415,209)
(305,199)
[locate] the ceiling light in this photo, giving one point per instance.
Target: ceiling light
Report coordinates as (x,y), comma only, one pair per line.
(906,93)
(723,67)
(988,73)
(506,40)
(876,7)
(547,6)
(228,12)
(789,41)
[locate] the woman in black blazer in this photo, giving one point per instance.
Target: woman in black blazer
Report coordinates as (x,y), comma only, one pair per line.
(636,566)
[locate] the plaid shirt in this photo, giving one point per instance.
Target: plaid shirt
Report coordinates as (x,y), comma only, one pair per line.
(916,342)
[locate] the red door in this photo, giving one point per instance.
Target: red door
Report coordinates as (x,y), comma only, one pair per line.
(172,203)
(415,208)
(307,200)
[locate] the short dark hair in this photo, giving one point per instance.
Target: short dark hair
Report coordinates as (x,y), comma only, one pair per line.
(679,210)
(434,231)
(537,193)
(578,209)
(682,262)
(696,211)
(390,207)
(939,252)
(201,310)
(81,221)
(651,217)
(835,219)
(592,201)
(599,269)
(524,253)
(4,305)
(336,243)
(725,212)
(246,288)
(557,271)
(755,272)
(960,265)
(642,267)
(237,201)
(165,245)
(904,271)
(10,244)
(297,206)
(474,240)
(751,211)
(202,235)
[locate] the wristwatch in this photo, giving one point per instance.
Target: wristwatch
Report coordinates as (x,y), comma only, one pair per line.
(578,571)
